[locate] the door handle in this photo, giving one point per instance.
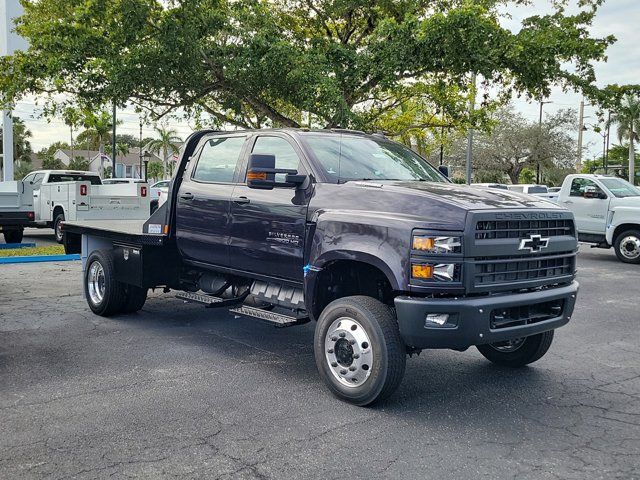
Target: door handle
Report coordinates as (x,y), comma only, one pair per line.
(241,200)
(186,196)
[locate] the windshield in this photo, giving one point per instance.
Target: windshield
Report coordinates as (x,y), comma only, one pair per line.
(73,177)
(350,157)
(620,188)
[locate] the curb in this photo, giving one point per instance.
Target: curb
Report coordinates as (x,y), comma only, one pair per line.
(39,258)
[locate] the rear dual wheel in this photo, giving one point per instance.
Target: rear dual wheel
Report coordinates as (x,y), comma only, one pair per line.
(13,236)
(358,350)
(105,295)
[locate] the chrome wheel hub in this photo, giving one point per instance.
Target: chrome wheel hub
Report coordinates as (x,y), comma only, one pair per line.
(348,352)
(508,346)
(630,247)
(95,283)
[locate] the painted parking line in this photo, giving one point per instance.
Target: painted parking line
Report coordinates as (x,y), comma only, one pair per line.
(39,258)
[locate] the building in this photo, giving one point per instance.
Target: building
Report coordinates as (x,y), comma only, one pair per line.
(127,166)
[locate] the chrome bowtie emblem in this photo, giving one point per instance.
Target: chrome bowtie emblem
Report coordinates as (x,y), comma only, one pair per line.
(534,243)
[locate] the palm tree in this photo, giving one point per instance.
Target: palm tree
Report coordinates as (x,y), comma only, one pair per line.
(167,144)
(627,118)
(98,127)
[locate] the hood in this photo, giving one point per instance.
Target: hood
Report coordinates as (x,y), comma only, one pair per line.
(463,196)
(627,202)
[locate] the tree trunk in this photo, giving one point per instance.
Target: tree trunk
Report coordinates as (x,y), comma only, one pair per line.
(164,163)
(632,158)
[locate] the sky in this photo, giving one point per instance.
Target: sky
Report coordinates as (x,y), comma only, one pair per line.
(618,17)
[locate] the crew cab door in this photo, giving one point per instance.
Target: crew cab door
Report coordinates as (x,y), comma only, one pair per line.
(590,213)
(268,226)
(203,216)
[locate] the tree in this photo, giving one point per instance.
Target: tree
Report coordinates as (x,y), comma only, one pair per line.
(167,144)
(155,170)
(21,147)
(515,144)
(285,62)
(98,126)
(627,118)
(127,139)
(79,163)
(51,163)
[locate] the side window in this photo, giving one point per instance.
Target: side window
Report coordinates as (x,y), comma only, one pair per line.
(29,177)
(286,156)
(218,160)
(578,186)
(37,179)
(517,189)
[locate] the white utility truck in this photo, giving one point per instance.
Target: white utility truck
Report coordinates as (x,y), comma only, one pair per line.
(60,195)
(16,209)
(606,211)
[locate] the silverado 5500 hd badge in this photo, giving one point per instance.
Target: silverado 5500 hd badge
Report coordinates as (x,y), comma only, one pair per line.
(284,238)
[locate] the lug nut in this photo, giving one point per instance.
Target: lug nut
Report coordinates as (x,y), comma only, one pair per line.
(342,334)
(352,368)
(334,364)
(356,356)
(334,339)
(352,342)
(343,372)
(330,350)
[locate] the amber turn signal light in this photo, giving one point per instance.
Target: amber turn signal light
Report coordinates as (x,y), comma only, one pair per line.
(421,271)
(256,175)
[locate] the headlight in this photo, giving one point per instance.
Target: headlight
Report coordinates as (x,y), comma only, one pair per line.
(439,272)
(433,244)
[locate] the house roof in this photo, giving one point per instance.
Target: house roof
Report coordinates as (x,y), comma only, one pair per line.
(132,158)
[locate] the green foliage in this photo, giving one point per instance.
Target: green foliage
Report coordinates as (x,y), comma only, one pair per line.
(22,170)
(155,170)
(79,163)
(527,175)
(284,62)
(627,117)
(107,171)
(167,144)
(51,163)
(21,147)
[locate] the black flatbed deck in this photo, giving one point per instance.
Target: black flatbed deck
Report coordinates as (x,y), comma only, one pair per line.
(122,230)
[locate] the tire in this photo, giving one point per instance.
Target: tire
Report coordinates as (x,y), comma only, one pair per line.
(13,236)
(135,298)
(360,374)
(57,227)
(104,294)
(529,350)
(627,246)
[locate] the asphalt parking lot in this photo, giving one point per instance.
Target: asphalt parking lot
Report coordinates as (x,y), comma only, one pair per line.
(180,391)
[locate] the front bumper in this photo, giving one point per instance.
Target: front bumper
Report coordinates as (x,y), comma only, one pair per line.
(477,320)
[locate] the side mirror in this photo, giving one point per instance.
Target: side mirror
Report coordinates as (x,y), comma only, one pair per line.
(592,192)
(261,173)
(444,170)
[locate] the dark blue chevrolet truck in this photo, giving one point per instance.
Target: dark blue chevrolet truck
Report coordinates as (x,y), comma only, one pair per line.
(354,232)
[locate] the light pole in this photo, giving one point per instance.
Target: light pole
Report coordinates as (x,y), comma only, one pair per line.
(542,102)
(140,150)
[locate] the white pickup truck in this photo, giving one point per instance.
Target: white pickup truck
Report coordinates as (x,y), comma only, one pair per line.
(607,212)
(16,209)
(60,195)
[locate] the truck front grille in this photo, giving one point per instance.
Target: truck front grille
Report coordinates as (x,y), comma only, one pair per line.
(491,229)
(509,270)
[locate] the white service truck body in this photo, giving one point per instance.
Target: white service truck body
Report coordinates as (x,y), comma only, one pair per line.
(16,209)
(606,211)
(69,195)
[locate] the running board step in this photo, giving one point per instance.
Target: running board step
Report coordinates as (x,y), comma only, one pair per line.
(209,301)
(276,319)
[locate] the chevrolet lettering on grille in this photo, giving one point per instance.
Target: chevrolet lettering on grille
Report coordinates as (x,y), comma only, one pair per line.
(534,243)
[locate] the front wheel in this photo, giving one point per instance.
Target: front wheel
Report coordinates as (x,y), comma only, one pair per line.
(627,246)
(358,350)
(518,352)
(57,227)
